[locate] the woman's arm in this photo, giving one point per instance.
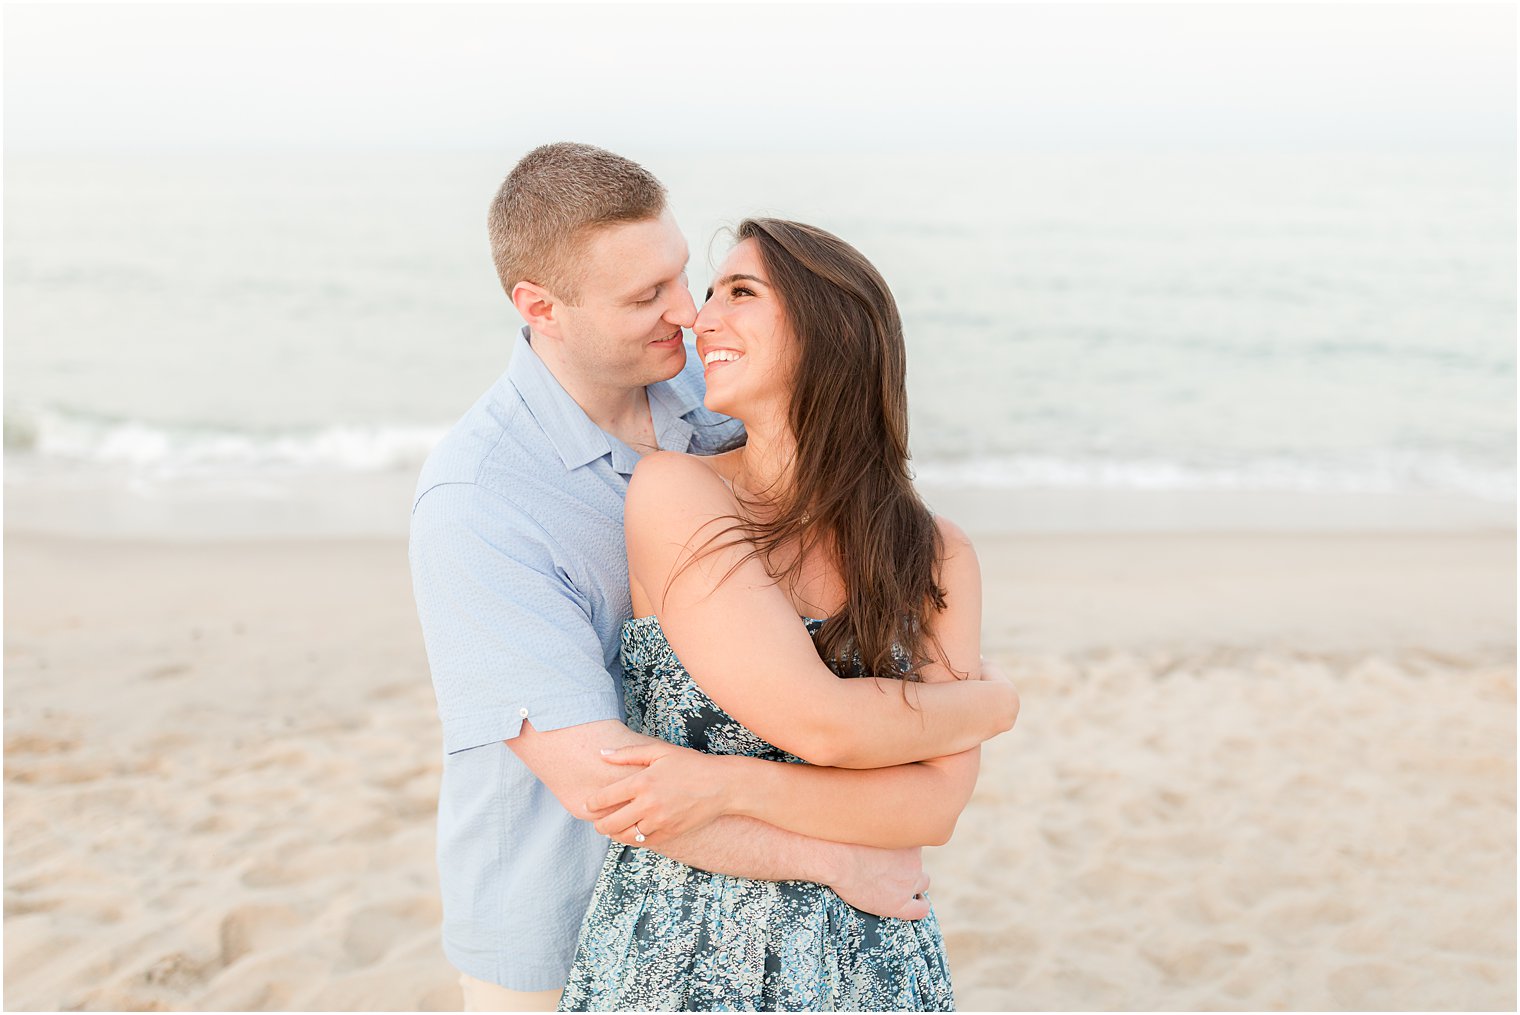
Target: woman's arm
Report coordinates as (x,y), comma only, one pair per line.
(739,637)
(904,805)
(916,804)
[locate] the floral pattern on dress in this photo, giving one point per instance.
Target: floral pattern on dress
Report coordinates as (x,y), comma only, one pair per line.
(663,936)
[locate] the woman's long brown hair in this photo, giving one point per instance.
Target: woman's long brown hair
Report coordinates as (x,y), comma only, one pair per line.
(849,489)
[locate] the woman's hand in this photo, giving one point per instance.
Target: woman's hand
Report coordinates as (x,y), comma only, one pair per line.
(1008,707)
(671,790)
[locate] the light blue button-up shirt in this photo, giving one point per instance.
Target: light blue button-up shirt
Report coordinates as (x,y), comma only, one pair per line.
(521,580)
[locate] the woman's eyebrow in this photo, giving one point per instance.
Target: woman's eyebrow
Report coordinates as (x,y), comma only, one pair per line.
(726,279)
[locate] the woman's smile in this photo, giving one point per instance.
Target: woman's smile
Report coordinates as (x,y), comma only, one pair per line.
(714,358)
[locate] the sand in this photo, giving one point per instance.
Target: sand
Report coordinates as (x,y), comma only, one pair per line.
(1252,772)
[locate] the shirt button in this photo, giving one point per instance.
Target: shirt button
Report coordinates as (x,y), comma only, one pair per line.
(523,712)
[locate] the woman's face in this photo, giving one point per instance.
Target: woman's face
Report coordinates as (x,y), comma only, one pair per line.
(748,352)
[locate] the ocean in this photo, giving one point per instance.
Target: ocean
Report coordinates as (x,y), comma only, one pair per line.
(230,333)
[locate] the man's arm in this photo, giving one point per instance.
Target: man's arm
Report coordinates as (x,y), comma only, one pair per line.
(887,882)
(508,638)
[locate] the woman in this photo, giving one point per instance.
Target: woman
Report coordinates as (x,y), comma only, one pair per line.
(813,517)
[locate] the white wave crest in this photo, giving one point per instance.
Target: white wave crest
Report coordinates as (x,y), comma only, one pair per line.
(139,446)
(155,451)
(1381,472)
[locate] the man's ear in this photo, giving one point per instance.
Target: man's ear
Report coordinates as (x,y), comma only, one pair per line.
(538,307)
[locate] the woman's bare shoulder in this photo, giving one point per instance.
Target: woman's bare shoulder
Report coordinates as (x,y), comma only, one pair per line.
(953,536)
(958,628)
(960,572)
(673,494)
(665,469)
(957,555)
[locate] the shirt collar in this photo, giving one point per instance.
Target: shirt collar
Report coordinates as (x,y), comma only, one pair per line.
(672,401)
(576,439)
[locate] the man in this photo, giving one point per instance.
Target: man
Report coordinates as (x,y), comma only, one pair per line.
(521,581)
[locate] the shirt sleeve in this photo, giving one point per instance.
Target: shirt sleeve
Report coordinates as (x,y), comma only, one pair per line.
(509,636)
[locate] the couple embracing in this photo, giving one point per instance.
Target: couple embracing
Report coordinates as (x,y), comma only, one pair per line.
(642,574)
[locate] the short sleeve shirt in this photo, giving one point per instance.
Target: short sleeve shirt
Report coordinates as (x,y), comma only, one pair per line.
(521,580)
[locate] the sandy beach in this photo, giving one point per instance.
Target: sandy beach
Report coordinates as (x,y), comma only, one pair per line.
(1255,771)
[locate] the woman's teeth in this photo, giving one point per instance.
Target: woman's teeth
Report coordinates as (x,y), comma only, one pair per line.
(721,356)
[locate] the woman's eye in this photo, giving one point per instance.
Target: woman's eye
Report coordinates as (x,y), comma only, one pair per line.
(739,290)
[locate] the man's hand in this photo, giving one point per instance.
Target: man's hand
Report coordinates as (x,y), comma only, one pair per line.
(671,790)
(887,882)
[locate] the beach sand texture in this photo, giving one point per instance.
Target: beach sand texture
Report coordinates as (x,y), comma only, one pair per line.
(1251,772)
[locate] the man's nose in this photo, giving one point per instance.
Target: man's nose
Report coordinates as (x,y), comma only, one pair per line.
(683,311)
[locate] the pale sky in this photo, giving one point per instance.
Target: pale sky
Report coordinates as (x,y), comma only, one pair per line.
(765,78)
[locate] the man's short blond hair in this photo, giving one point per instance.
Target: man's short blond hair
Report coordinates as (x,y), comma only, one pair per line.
(551,203)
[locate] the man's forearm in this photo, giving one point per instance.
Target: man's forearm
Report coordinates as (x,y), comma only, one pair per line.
(570,762)
(887,882)
(746,848)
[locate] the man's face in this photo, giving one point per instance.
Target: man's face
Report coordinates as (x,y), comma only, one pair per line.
(634,304)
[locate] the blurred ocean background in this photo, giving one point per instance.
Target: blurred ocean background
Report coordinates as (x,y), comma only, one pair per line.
(192,328)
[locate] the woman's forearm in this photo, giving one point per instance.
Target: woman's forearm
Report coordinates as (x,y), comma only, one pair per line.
(905,805)
(881,723)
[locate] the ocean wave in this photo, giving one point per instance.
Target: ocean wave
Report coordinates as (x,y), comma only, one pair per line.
(165,450)
(1383,472)
(157,451)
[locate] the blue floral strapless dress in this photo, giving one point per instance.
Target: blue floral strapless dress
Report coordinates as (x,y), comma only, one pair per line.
(662,936)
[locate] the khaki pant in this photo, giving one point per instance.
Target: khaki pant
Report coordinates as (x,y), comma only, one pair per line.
(482,996)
